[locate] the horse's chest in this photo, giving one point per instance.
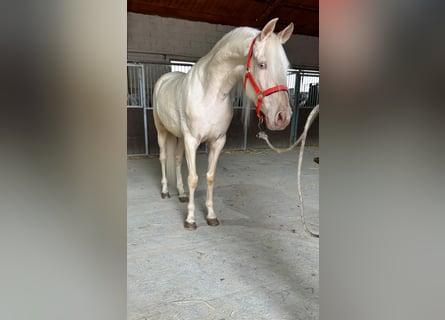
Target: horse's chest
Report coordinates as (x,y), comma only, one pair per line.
(211,120)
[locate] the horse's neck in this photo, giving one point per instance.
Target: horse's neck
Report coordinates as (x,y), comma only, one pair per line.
(226,63)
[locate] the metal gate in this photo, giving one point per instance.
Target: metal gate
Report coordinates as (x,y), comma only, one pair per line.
(137,139)
(141,132)
(307,97)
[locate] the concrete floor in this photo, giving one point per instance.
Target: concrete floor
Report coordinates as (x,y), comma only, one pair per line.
(258,264)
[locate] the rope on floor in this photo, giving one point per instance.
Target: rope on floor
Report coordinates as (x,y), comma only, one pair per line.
(302,139)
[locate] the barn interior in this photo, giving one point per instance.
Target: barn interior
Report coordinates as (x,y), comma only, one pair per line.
(172,35)
(259,263)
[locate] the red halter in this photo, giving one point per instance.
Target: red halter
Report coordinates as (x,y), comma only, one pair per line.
(261,94)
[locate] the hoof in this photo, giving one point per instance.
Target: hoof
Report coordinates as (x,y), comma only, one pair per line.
(165,195)
(213,222)
(190,226)
(184,199)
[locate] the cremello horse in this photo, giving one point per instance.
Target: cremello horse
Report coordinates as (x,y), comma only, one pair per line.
(196,107)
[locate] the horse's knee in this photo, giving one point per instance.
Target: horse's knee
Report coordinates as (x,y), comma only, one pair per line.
(210,180)
(193,181)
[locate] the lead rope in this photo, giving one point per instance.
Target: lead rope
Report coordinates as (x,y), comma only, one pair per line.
(302,138)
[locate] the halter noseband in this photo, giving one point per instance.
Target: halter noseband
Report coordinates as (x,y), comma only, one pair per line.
(261,94)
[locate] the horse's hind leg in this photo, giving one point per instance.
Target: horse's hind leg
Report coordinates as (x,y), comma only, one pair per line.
(162,141)
(214,152)
(179,155)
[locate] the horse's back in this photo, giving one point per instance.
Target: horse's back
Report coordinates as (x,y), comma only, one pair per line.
(169,77)
(166,103)
(167,84)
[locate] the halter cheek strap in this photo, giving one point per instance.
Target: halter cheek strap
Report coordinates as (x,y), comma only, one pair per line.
(260,93)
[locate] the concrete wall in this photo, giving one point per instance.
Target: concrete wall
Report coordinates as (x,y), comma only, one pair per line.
(153,38)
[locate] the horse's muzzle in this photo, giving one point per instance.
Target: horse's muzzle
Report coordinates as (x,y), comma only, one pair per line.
(280,121)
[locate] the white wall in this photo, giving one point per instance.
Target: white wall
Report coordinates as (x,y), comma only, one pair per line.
(154,38)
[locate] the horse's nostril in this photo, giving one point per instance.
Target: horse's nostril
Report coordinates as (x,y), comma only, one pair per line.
(280,117)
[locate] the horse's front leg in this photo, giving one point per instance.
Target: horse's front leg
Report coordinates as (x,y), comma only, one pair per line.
(191,145)
(214,152)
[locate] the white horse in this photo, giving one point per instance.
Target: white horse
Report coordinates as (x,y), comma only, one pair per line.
(196,107)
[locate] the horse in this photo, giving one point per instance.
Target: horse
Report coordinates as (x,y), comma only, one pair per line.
(195,107)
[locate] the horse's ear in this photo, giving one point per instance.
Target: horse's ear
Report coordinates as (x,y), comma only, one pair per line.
(268,29)
(285,34)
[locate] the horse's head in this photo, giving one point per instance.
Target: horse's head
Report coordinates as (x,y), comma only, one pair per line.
(267,65)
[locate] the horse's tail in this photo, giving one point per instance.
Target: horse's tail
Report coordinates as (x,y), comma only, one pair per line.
(170,164)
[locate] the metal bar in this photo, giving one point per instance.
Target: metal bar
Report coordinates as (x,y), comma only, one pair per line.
(144,105)
(247,110)
(292,76)
(149,80)
(137,155)
(294,125)
(128,87)
(131,85)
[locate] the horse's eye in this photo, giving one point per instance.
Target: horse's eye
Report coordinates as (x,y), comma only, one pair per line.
(262,65)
